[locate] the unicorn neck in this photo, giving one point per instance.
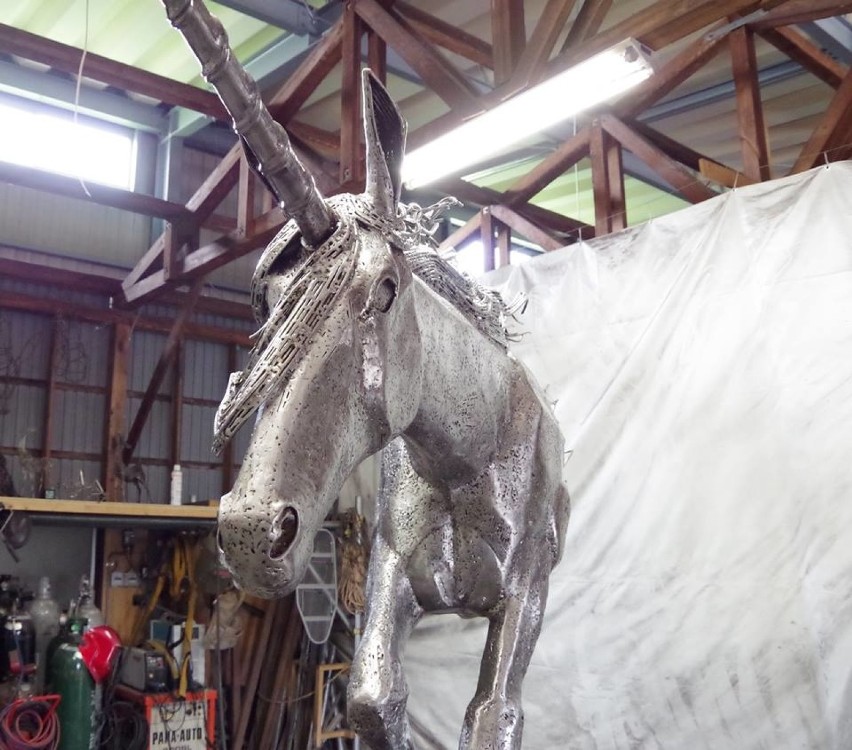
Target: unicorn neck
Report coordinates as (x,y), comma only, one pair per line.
(464,402)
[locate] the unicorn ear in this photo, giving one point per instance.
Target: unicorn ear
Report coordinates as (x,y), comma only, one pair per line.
(384,131)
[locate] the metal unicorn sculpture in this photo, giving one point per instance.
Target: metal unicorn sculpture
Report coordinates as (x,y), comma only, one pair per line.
(371,341)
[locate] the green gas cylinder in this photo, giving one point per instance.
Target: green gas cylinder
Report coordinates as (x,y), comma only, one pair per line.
(79,707)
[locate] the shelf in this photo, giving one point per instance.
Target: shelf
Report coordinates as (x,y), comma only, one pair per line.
(92,513)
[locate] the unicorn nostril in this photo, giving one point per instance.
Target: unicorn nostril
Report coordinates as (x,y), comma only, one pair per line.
(284,529)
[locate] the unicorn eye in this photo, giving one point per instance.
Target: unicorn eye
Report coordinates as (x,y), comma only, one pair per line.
(384,293)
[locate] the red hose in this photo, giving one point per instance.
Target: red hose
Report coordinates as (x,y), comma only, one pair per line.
(30,724)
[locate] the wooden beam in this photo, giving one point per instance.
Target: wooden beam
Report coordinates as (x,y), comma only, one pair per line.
(377,56)
(462,235)
(526,228)
(55,306)
(113,476)
(801,11)
(449,37)
(658,25)
(323,142)
(722,175)
(126,200)
(169,351)
(486,238)
(754,143)
(504,244)
(350,97)
(587,23)
(48,416)
(831,131)
(681,179)
(564,227)
(607,182)
(67,59)
(245,198)
(555,164)
(508,37)
(437,73)
(177,404)
(798,47)
(208,258)
(707,167)
(322,59)
(540,46)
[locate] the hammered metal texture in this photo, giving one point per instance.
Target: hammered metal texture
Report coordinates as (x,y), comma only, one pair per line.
(371,341)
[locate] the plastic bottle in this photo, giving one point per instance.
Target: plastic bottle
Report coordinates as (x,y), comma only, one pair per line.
(45,613)
(177,485)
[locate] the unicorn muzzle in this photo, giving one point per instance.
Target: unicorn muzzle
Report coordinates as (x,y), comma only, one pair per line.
(262,552)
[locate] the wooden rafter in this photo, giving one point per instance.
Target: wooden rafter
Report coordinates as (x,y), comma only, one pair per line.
(203,202)
(508,37)
(833,130)
(587,23)
(449,37)
(707,167)
(208,258)
(529,229)
(67,59)
(546,171)
(377,56)
(798,47)
(754,142)
(537,52)
(462,235)
(436,72)
(288,100)
(801,11)
(678,176)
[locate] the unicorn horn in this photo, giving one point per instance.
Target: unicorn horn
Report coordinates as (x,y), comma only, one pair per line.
(267,145)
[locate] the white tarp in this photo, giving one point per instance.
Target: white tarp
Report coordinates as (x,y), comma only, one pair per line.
(701,366)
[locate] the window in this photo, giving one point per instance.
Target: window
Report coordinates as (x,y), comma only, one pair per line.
(33,136)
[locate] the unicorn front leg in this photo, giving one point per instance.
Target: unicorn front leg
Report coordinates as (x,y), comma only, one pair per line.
(494,720)
(378,692)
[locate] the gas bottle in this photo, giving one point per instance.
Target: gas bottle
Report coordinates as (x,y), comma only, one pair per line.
(79,706)
(86,605)
(19,644)
(45,613)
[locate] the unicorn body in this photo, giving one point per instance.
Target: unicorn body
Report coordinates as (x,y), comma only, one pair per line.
(371,341)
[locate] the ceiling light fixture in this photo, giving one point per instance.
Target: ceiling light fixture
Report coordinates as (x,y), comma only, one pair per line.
(601,77)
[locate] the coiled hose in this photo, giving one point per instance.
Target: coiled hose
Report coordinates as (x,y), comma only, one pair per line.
(27,724)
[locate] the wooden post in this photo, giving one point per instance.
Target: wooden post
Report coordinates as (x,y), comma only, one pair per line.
(753,140)
(47,478)
(377,56)
(504,244)
(245,199)
(350,98)
(607,182)
(487,238)
(117,399)
(177,404)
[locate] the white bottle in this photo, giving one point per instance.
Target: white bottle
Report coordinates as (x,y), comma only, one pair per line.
(45,613)
(177,485)
(86,606)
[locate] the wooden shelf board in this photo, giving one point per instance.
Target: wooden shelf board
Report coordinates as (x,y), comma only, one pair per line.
(107,508)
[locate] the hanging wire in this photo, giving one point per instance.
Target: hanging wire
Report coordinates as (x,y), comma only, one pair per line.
(79,82)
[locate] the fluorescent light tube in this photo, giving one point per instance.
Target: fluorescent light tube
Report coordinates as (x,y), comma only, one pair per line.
(601,77)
